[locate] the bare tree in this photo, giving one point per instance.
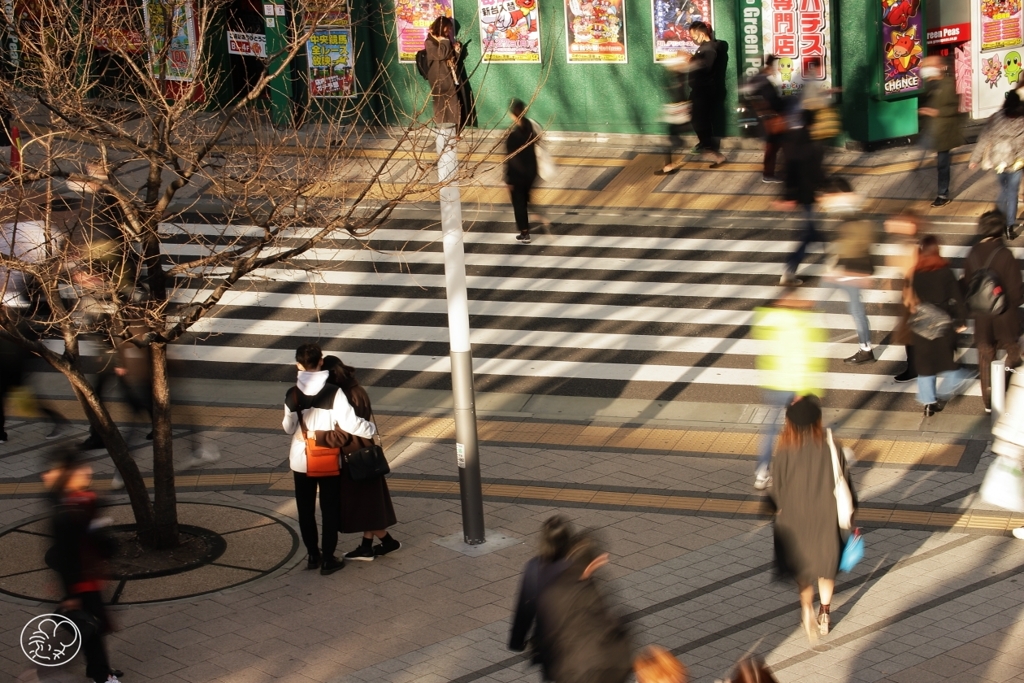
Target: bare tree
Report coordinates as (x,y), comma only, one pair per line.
(119,150)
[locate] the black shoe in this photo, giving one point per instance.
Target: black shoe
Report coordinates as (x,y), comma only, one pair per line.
(91,444)
(149,437)
(364,553)
(312,562)
(523,238)
(860,358)
(907,375)
(941,201)
(388,545)
(933,408)
(1010,234)
(331,565)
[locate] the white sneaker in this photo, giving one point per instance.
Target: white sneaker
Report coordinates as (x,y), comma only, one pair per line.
(116,484)
(762,479)
(1019,533)
(790,280)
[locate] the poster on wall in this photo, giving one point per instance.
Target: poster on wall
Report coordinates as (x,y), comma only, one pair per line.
(338,15)
(1001,24)
(509,31)
(181,54)
(903,37)
(412,21)
(797,33)
(672,19)
(595,31)
(331,62)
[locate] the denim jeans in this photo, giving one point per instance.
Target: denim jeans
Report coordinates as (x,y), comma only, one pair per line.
(942,163)
(1009,183)
(957,379)
(860,316)
(807,235)
(778,401)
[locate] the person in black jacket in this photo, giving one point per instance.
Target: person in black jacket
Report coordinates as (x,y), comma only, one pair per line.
(521,166)
(77,556)
(993,332)
(763,92)
(555,536)
(706,90)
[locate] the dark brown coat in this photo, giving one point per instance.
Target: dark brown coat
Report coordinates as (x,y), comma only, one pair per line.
(939,287)
(997,330)
(440,58)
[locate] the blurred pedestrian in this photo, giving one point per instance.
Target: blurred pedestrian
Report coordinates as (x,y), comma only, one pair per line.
(1000,147)
(678,112)
(655,664)
(14,362)
(78,553)
(751,670)
(762,91)
(807,534)
(585,641)
(442,61)
(935,284)
(311,405)
(705,91)
(521,166)
(993,332)
(556,534)
(789,365)
(852,264)
(904,228)
(366,505)
(804,176)
(941,111)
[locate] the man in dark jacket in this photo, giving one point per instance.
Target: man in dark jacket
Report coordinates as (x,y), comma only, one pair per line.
(521,167)
(942,111)
(706,90)
(585,641)
(993,332)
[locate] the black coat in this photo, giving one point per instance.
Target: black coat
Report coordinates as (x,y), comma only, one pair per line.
(537,575)
(521,166)
(994,330)
(939,287)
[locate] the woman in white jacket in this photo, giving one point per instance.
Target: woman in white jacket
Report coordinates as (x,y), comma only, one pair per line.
(321,406)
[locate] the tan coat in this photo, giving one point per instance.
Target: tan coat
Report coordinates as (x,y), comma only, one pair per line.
(440,73)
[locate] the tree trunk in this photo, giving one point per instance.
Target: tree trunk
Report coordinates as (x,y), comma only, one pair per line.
(164,497)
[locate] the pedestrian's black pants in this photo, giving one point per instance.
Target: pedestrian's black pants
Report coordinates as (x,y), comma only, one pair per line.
(97,666)
(330,511)
(520,206)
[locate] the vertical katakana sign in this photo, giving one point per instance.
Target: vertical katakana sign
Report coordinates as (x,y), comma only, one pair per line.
(798,32)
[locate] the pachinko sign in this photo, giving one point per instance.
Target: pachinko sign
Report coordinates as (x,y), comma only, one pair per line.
(412,21)
(1001,24)
(595,31)
(672,19)
(181,52)
(903,37)
(331,63)
(510,31)
(798,33)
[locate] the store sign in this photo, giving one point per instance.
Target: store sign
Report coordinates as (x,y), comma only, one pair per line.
(949,35)
(331,62)
(672,19)
(797,32)
(509,31)
(903,38)
(247,44)
(751,48)
(996,63)
(595,31)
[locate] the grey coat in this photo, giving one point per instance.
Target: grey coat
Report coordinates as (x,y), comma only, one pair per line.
(440,57)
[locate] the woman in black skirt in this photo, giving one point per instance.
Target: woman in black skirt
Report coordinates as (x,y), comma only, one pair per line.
(365,505)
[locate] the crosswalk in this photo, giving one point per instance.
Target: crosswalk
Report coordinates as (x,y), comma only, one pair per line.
(590,310)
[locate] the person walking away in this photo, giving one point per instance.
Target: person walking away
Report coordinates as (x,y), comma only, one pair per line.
(556,535)
(904,227)
(521,167)
(78,551)
(803,176)
(678,112)
(313,404)
(442,59)
(655,664)
(704,91)
(852,265)
(13,379)
(789,366)
(366,506)
(1000,148)
(763,93)
(941,111)
(807,533)
(934,283)
(993,332)
(586,642)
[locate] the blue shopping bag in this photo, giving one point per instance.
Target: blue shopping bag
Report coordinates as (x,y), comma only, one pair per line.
(853,552)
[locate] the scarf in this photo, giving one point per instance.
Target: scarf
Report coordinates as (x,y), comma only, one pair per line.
(929,263)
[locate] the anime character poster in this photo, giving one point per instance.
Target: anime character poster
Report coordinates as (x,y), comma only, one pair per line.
(510,31)
(331,63)
(903,36)
(412,21)
(798,33)
(1001,24)
(182,54)
(672,19)
(595,31)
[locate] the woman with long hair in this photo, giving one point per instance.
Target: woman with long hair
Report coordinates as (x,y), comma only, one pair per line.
(655,664)
(808,543)
(365,505)
(442,59)
(1000,148)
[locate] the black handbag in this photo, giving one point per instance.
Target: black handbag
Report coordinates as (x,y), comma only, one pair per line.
(366,463)
(929,321)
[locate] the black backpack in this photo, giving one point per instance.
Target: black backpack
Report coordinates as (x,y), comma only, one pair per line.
(422,64)
(985,294)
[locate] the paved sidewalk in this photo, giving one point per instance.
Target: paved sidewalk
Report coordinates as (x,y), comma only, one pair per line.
(938,595)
